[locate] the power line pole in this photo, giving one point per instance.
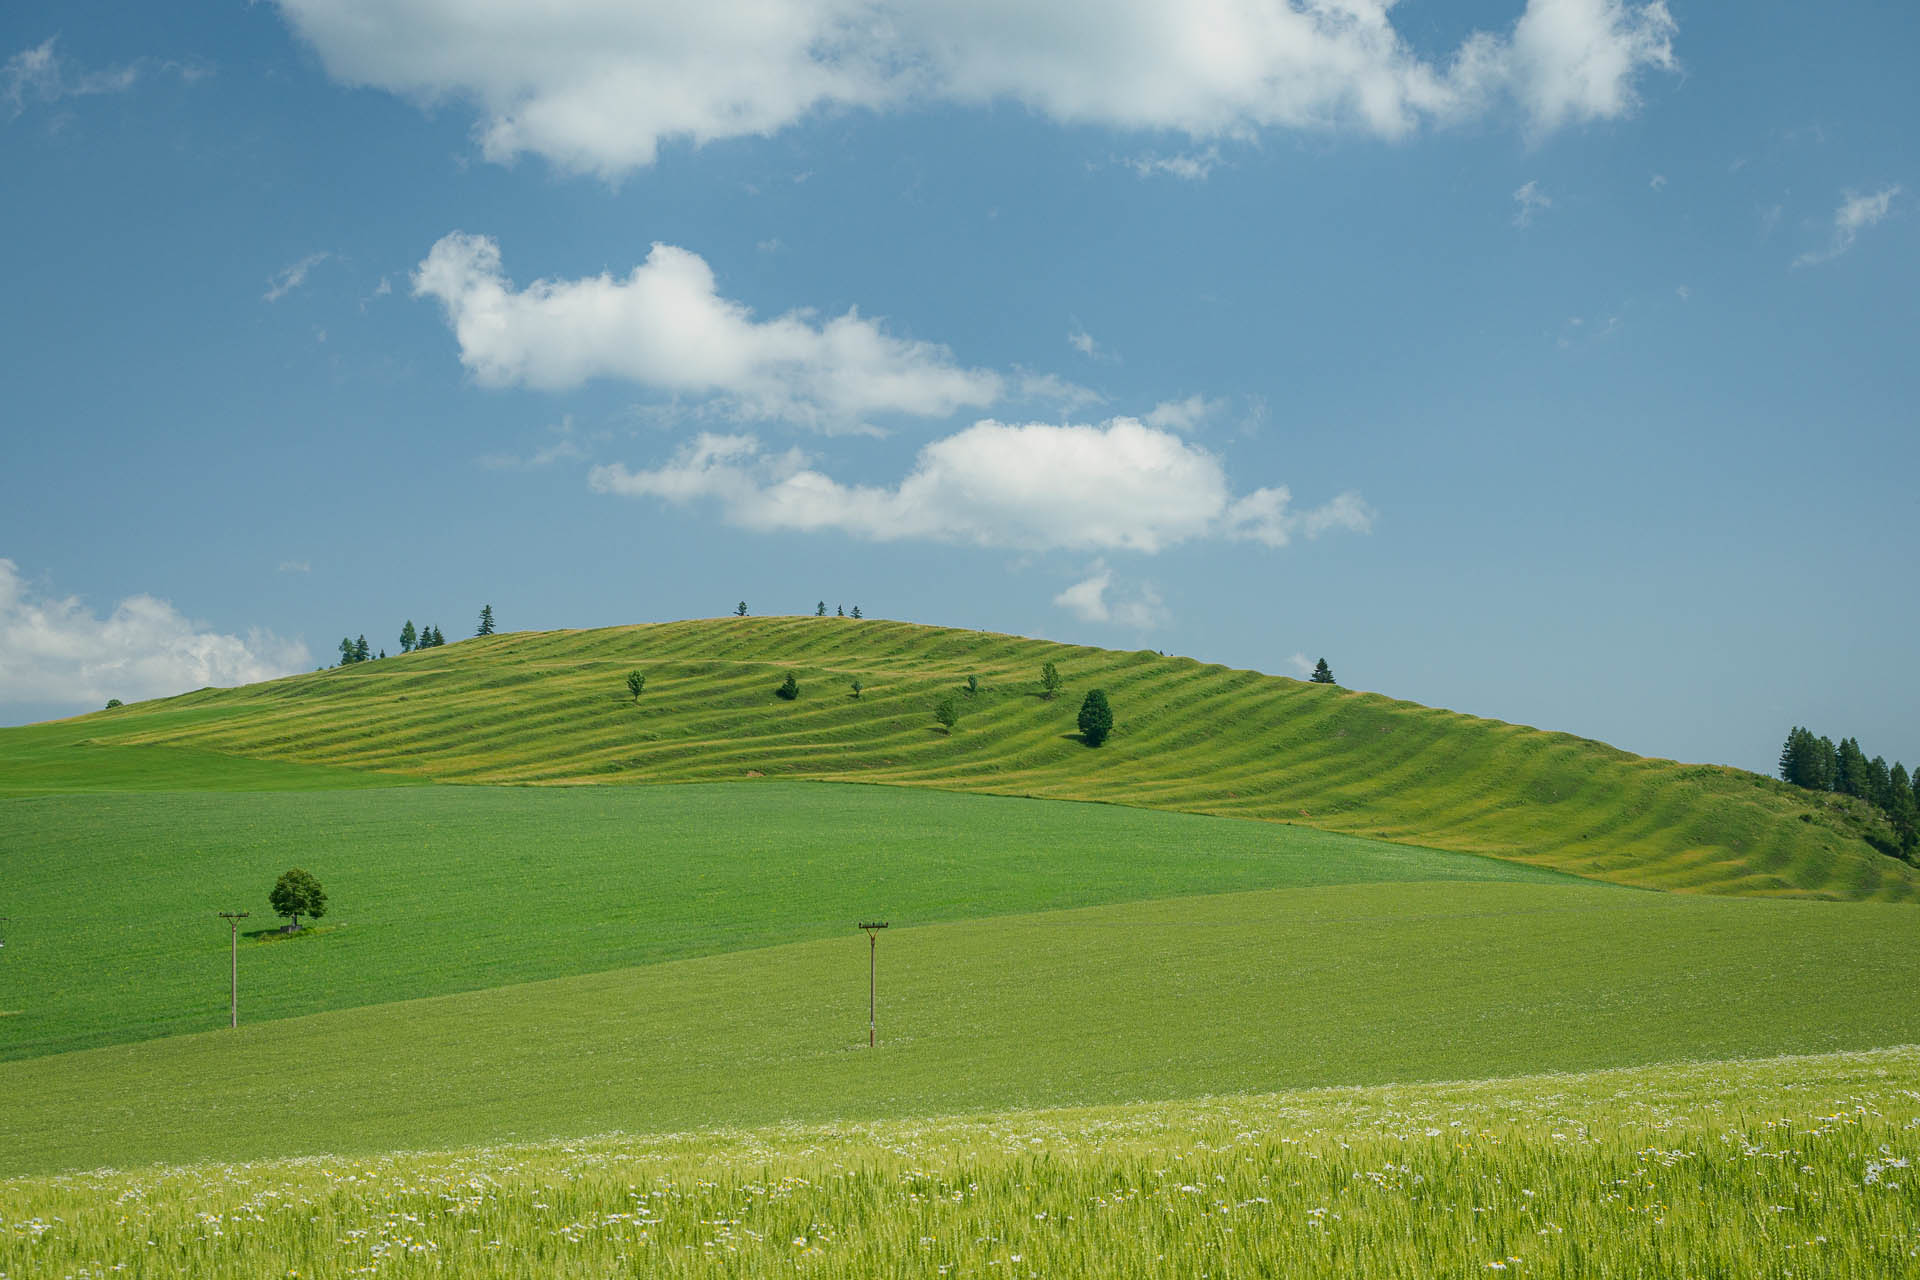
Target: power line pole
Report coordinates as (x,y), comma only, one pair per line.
(233,993)
(873,960)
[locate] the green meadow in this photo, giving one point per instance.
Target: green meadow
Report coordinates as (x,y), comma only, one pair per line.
(1785,1167)
(437,889)
(1195,996)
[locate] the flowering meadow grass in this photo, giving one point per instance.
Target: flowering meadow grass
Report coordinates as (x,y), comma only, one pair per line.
(1770,1167)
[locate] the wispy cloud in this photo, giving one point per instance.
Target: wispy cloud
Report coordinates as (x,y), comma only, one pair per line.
(1855,214)
(1089,600)
(566,443)
(1531,200)
(41,75)
(287,279)
(1190,166)
(295,566)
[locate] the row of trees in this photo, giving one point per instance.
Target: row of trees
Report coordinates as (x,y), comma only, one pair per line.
(1821,764)
(411,638)
(819,610)
(425,638)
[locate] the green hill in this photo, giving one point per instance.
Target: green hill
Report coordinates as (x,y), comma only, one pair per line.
(552,707)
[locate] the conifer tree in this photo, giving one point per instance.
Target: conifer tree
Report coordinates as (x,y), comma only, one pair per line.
(1096,718)
(486,621)
(439,638)
(820,610)
(856,611)
(408,637)
(1828,763)
(1850,774)
(789,688)
(1322,673)
(360,650)
(346,650)
(839,611)
(1879,782)
(740,610)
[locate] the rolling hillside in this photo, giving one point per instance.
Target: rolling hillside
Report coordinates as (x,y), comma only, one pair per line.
(551,708)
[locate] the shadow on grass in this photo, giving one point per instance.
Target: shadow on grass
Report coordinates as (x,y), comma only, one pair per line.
(278,934)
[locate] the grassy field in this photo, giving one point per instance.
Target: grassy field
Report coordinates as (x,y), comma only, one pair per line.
(552,708)
(1175,998)
(1793,1167)
(437,889)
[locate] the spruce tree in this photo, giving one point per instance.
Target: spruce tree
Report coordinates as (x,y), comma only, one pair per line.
(820,610)
(789,688)
(1096,718)
(856,611)
(486,621)
(1879,782)
(1827,763)
(408,637)
(1322,673)
(346,650)
(1850,774)
(839,611)
(740,610)
(360,650)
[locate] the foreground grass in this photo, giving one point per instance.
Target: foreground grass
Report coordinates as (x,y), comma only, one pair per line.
(444,889)
(1230,993)
(552,707)
(1787,1167)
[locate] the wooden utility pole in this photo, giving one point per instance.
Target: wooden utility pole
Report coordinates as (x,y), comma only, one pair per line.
(233,991)
(873,960)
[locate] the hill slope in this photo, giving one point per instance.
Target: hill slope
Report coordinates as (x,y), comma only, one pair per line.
(551,707)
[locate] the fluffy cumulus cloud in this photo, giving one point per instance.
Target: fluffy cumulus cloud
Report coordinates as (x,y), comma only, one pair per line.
(58,651)
(1855,214)
(1121,485)
(597,85)
(665,325)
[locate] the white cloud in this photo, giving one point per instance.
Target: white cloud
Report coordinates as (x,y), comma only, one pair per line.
(40,74)
(1118,486)
(1657,181)
(1301,663)
(1682,292)
(1531,200)
(666,326)
(1189,166)
(596,86)
(1855,214)
(1088,601)
(295,566)
(291,277)
(58,651)
(1183,415)
(1082,341)
(566,443)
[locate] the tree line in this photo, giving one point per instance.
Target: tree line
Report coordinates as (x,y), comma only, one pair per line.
(411,638)
(1821,764)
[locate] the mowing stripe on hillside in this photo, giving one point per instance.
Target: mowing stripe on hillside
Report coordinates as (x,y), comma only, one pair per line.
(1356,983)
(552,707)
(438,889)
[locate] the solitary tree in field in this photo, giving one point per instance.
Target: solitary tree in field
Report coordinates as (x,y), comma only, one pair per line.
(486,621)
(947,712)
(635,683)
(856,611)
(1049,680)
(820,610)
(740,610)
(789,688)
(114,702)
(296,893)
(1096,718)
(973,684)
(1322,673)
(857,686)
(839,611)
(408,637)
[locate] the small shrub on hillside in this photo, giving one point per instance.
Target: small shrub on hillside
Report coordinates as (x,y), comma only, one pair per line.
(857,687)
(1096,718)
(789,688)
(636,681)
(947,712)
(973,684)
(1049,680)
(114,702)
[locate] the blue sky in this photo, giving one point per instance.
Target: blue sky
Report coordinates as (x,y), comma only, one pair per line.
(1550,360)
